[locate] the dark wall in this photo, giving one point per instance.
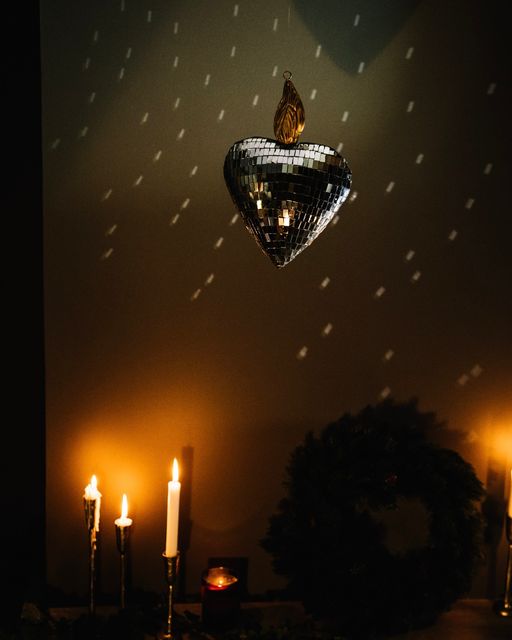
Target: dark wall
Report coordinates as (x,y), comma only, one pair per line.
(166,327)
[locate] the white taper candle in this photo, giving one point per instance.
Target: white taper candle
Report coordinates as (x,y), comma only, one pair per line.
(173,508)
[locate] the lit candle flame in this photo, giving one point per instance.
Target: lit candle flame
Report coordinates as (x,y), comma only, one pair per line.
(91,490)
(220,578)
(124,507)
(175,474)
(124,520)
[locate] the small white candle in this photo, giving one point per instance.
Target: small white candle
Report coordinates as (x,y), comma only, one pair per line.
(92,493)
(509,511)
(124,521)
(173,507)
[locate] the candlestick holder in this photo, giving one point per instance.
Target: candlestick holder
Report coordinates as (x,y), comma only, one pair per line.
(122,537)
(90,521)
(171,566)
(504,607)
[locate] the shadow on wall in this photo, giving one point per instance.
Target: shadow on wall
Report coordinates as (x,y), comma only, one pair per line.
(339,27)
(185,530)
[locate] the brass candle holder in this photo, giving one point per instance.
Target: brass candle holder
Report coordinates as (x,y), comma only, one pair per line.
(122,537)
(91,517)
(171,567)
(504,607)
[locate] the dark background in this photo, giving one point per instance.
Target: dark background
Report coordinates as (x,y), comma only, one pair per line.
(23,565)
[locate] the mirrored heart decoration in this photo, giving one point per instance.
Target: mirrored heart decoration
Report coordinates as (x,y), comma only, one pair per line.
(286,191)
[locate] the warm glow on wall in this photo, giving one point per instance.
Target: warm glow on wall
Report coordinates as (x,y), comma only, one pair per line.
(491,434)
(497,436)
(502,444)
(499,440)
(133,463)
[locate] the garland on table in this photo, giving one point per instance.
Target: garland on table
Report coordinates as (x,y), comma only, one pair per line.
(324,540)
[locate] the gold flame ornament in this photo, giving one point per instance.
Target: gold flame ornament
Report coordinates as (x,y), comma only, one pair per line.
(286,191)
(290,117)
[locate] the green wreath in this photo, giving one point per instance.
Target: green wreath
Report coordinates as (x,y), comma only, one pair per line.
(325,541)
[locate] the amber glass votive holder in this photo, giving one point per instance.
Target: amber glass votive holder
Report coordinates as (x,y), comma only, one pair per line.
(220,598)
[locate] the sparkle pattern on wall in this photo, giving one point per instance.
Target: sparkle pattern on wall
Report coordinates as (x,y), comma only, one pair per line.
(153,283)
(144,104)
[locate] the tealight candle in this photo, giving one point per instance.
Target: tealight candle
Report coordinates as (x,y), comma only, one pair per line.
(219,578)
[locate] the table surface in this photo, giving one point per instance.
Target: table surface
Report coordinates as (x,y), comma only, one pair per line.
(467,620)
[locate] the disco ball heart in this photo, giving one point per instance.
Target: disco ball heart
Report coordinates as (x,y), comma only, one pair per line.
(286,191)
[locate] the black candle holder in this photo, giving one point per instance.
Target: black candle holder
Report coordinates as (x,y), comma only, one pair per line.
(220,598)
(122,537)
(90,507)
